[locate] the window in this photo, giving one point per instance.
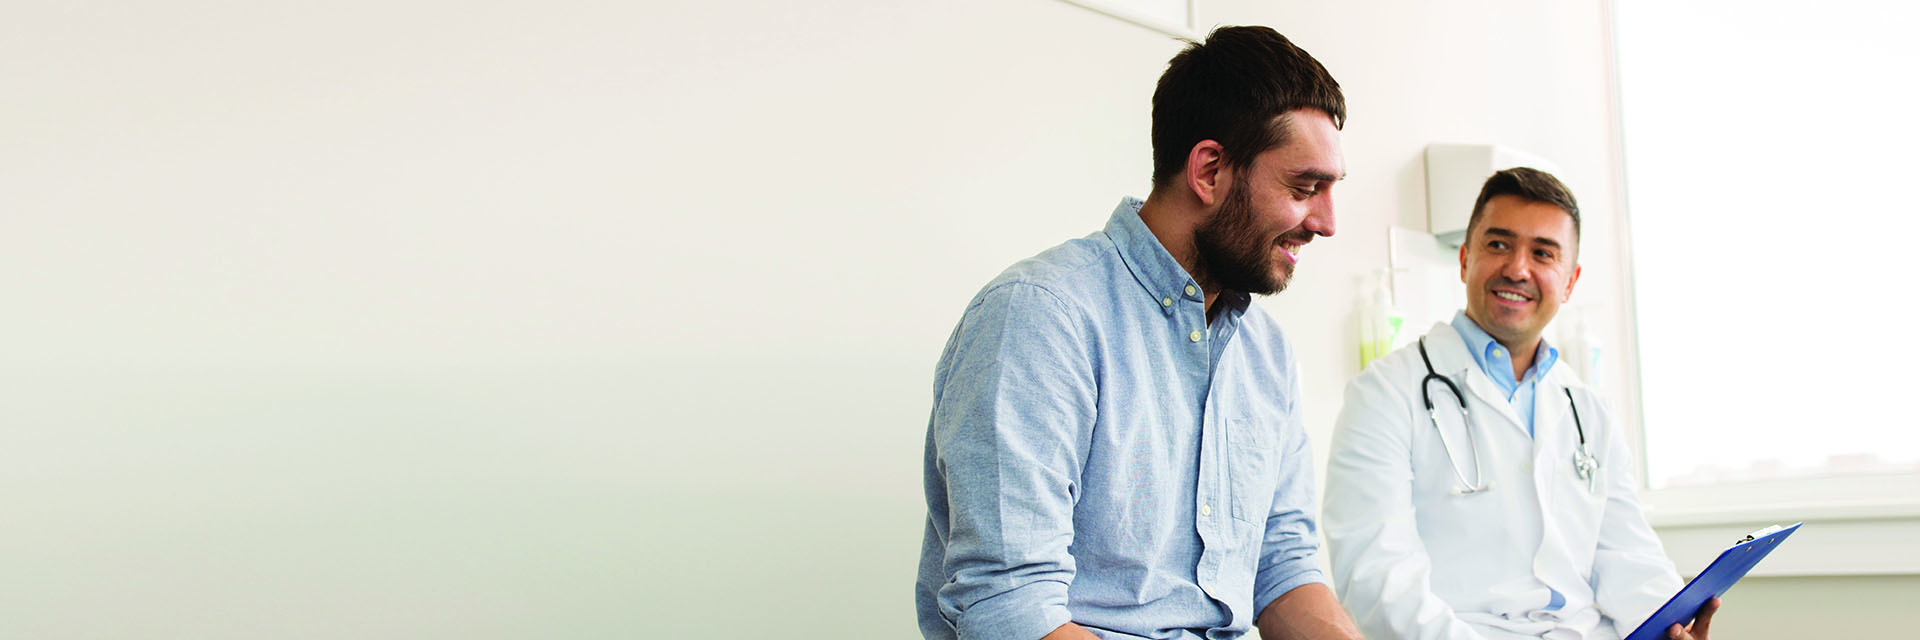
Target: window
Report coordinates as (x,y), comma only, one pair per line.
(1768,149)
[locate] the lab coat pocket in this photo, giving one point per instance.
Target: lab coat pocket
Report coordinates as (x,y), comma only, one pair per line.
(1253,468)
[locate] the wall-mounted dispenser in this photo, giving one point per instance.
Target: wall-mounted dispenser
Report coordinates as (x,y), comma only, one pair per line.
(1454,175)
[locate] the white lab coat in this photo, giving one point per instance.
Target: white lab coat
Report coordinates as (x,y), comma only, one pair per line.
(1412,560)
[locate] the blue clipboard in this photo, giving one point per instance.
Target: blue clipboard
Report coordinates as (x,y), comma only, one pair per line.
(1720,575)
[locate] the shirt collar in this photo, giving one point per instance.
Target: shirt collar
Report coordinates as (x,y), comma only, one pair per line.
(1494,360)
(1155,269)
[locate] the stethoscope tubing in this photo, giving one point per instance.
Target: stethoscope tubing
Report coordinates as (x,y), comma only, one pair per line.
(1583,464)
(1473,449)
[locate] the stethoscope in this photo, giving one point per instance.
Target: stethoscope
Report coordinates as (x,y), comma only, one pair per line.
(1584,463)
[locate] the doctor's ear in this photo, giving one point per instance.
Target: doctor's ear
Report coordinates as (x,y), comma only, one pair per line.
(1572,279)
(1205,171)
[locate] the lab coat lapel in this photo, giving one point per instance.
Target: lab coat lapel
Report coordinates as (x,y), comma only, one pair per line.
(1553,444)
(1552,422)
(1556,434)
(1451,359)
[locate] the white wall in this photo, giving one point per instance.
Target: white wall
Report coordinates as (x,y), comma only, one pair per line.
(580,319)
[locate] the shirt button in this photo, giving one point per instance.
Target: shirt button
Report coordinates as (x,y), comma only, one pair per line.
(1206,510)
(1190,289)
(1166,302)
(1195,336)
(1497,352)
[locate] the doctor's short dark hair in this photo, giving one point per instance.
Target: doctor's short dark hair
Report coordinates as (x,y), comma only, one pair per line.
(1532,185)
(1234,89)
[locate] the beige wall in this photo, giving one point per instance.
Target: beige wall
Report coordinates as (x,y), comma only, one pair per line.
(1819,607)
(449,319)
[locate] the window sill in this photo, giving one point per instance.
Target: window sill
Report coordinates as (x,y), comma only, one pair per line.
(1871,532)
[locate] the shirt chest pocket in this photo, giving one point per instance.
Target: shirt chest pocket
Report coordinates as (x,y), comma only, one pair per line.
(1253,465)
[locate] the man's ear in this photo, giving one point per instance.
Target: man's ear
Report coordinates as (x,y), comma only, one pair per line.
(1206,172)
(1463,262)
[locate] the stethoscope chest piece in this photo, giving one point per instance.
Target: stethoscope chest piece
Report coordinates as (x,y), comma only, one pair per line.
(1584,465)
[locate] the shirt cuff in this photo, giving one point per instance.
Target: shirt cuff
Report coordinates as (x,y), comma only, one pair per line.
(1031,611)
(1272,592)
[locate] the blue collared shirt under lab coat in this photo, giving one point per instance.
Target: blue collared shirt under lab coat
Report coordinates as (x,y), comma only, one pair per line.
(1494,360)
(1098,453)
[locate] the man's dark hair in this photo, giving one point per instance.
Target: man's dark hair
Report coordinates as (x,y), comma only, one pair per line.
(1235,89)
(1532,185)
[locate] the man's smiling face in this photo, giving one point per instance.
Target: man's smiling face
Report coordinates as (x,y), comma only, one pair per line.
(1273,209)
(1519,265)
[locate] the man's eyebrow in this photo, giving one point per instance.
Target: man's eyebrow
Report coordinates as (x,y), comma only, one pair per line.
(1317,175)
(1507,233)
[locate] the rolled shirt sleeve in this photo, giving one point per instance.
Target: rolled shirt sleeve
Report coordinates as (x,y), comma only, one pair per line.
(1289,549)
(1012,418)
(1291,546)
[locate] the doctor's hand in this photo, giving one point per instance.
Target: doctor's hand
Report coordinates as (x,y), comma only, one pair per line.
(1697,630)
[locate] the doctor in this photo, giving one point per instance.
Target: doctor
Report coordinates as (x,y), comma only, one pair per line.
(1507,510)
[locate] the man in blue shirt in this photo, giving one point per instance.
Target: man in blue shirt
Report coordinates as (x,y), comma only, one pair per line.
(1115,448)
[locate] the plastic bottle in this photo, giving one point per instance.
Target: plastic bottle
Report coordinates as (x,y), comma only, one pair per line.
(1380,321)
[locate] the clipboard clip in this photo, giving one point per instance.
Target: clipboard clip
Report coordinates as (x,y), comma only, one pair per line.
(1751,536)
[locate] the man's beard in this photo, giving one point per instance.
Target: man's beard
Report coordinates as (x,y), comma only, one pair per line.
(1230,254)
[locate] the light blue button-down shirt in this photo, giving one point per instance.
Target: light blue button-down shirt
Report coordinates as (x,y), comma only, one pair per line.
(1494,360)
(1098,453)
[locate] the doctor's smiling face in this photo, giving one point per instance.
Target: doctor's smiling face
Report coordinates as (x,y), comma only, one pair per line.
(1519,265)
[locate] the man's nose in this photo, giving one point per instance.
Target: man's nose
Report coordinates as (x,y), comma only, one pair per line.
(1320,217)
(1515,268)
